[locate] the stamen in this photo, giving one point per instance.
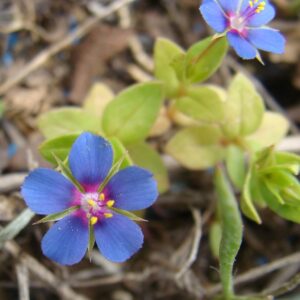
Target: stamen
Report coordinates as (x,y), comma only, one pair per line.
(108,215)
(101,197)
(93,220)
(110,203)
(91,202)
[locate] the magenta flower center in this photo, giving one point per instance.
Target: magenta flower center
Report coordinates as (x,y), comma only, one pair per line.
(96,206)
(238,21)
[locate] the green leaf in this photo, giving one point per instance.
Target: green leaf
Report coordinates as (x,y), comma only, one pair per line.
(272,130)
(60,146)
(130,116)
(215,235)
(64,121)
(97,99)
(205,57)
(287,158)
(244,108)
(179,66)
(66,171)
(288,211)
(247,205)
(164,52)
(197,148)
(202,103)
(120,153)
(145,156)
(235,164)
(128,214)
(59,215)
(232,231)
(14,227)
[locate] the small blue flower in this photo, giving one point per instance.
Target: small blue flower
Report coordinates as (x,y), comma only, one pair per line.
(46,192)
(244,23)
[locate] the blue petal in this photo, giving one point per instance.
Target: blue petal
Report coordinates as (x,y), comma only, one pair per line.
(264,17)
(66,241)
(90,158)
(213,15)
(229,6)
(118,238)
(46,191)
(242,47)
(267,39)
(132,188)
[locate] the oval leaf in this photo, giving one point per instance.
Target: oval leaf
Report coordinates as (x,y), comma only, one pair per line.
(64,121)
(197,148)
(244,108)
(204,58)
(60,146)
(202,103)
(164,52)
(130,116)
(272,130)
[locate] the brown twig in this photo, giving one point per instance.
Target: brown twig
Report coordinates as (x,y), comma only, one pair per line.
(23,281)
(45,55)
(258,272)
(61,288)
(11,182)
(195,245)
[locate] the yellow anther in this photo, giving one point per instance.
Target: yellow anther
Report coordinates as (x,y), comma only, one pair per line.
(108,215)
(93,220)
(101,197)
(251,4)
(91,202)
(110,203)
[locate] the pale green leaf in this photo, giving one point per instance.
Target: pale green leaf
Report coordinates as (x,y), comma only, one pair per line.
(60,146)
(164,53)
(120,152)
(131,115)
(97,99)
(232,231)
(204,58)
(179,66)
(197,148)
(202,103)
(244,108)
(64,121)
(145,156)
(271,131)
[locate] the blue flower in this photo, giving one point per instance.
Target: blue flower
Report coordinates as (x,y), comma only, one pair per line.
(46,192)
(244,23)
